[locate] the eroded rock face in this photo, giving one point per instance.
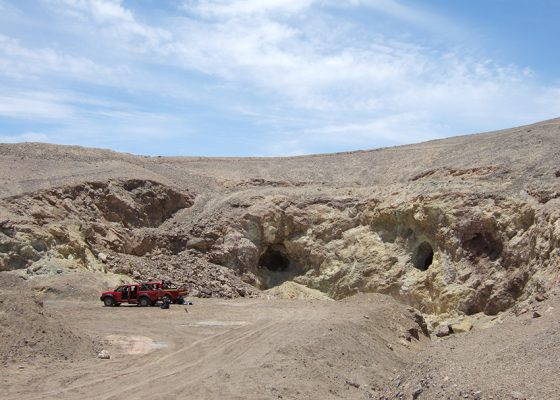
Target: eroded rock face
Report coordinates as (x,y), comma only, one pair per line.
(77,222)
(111,226)
(130,203)
(442,254)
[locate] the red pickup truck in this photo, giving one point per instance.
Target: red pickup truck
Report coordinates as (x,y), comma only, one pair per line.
(135,293)
(144,294)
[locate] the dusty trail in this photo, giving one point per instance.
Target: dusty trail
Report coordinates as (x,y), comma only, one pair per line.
(153,373)
(235,347)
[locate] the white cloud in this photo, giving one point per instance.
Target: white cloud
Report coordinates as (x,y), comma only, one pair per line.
(309,69)
(92,118)
(18,61)
(239,8)
(34,105)
(116,21)
(394,129)
(304,64)
(350,135)
(236,8)
(416,16)
(283,148)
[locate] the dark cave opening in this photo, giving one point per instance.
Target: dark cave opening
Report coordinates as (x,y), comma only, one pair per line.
(483,245)
(275,259)
(424,256)
(275,266)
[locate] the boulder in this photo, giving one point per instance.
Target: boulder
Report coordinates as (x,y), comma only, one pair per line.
(442,330)
(461,327)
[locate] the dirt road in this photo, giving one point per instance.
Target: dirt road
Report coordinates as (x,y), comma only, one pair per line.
(241,349)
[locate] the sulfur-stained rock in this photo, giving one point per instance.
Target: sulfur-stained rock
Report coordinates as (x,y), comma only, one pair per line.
(461,327)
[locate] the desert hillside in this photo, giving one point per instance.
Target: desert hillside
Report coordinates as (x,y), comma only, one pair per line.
(456,232)
(466,224)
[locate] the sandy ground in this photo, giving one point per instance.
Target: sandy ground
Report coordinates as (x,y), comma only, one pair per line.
(517,358)
(235,349)
(269,348)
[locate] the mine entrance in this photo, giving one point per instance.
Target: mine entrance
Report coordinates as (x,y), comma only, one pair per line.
(275,266)
(275,259)
(424,256)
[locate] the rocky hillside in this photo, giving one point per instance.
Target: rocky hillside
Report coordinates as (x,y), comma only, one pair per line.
(456,226)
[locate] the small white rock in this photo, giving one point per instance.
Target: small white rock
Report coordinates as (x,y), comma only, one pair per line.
(104,355)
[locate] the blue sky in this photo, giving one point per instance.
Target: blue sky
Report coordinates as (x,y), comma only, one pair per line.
(272,77)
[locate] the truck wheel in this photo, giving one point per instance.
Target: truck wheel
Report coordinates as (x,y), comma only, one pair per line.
(109,301)
(144,302)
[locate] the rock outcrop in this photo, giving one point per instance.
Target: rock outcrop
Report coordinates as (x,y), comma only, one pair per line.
(442,254)
(73,222)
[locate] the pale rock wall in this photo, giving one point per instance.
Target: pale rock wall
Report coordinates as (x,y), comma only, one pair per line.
(488,251)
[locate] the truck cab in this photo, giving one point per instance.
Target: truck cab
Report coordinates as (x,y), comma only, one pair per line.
(139,294)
